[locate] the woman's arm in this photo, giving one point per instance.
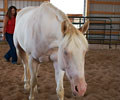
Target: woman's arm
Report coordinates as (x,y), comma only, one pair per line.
(4,26)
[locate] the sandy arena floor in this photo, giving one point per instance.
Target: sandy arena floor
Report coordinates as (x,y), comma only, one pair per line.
(102,69)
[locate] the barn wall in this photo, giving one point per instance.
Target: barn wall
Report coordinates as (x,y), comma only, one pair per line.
(21,4)
(99,8)
(105,8)
(1,12)
(1,3)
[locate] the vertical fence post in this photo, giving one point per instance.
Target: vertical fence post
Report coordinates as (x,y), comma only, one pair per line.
(110,33)
(87,7)
(5,6)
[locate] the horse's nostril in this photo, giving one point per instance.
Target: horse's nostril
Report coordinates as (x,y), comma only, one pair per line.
(74,94)
(76,88)
(85,94)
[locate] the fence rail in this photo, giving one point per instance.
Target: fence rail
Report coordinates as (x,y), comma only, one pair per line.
(109,34)
(102,30)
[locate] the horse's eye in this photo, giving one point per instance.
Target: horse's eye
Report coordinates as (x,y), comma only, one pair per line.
(65,52)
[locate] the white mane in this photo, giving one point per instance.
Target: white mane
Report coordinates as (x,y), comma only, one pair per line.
(75,40)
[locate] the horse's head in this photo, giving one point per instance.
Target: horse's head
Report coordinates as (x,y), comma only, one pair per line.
(71,56)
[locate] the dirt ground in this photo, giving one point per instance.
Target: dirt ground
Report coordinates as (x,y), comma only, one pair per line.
(102,70)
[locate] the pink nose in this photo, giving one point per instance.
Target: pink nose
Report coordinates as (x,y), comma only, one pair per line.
(80,89)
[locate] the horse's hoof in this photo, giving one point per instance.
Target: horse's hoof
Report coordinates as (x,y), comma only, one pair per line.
(27,87)
(31,98)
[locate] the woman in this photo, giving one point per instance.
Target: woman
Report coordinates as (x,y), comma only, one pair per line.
(8,30)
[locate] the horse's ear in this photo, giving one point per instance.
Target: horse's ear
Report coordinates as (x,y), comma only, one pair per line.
(64,27)
(85,27)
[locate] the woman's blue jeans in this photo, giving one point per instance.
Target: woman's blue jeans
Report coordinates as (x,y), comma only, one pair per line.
(12,51)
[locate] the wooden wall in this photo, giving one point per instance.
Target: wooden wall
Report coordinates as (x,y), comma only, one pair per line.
(105,8)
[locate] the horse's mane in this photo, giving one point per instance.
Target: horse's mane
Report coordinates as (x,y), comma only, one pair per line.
(74,39)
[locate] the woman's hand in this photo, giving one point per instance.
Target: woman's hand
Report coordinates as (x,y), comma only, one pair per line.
(3,37)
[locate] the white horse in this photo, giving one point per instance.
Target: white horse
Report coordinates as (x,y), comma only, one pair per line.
(39,30)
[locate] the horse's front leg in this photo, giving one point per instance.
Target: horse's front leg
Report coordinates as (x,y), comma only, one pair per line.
(26,77)
(59,74)
(33,80)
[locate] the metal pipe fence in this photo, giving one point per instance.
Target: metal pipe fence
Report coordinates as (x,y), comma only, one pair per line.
(101,33)
(98,33)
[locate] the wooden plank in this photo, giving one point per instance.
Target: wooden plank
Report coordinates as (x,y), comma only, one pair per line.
(74,15)
(115,22)
(5,5)
(103,12)
(88,7)
(1,20)
(78,15)
(1,9)
(104,2)
(102,32)
(33,0)
(102,22)
(97,22)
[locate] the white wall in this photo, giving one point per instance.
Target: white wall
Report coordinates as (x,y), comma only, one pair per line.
(70,6)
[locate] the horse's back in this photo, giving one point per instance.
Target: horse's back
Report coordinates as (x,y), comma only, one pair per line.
(42,23)
(23,11)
